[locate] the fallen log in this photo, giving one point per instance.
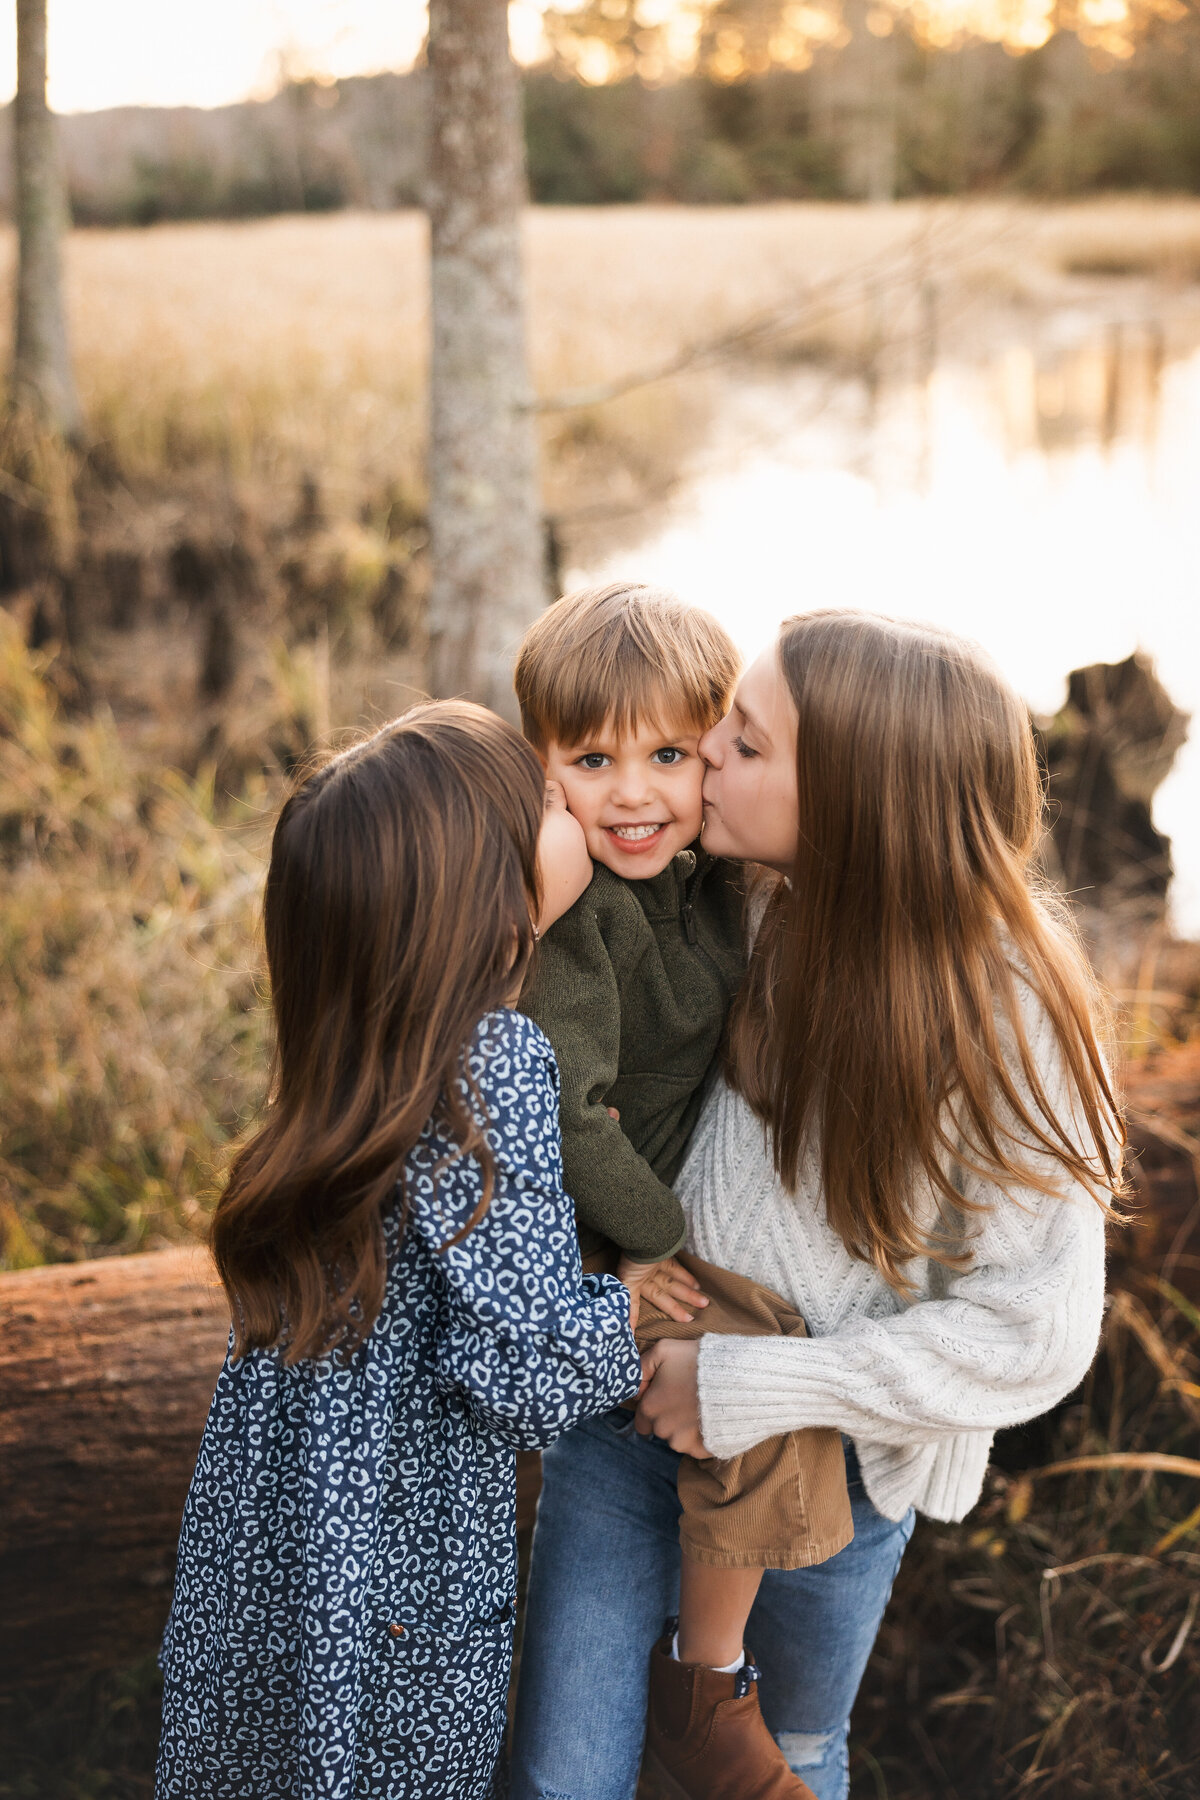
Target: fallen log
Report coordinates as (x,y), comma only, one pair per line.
(106,1373)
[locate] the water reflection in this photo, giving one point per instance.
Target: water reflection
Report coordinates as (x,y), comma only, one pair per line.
(1106,388)
(1042,498)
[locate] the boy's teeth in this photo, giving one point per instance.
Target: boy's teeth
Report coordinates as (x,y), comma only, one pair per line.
(634,831)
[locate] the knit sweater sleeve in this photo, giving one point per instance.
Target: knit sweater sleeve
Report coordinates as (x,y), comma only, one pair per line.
(575,996)
(1010,1336)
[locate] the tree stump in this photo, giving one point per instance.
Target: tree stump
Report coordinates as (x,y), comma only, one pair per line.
(1105,754)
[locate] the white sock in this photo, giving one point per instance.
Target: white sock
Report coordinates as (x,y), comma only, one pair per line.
(729,1669)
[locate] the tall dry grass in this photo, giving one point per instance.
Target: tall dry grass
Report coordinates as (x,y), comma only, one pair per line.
(133,1029)
(1049,1645)
(219,365)
(262,350)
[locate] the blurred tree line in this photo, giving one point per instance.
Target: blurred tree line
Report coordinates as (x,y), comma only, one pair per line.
(880,117)
(871,107)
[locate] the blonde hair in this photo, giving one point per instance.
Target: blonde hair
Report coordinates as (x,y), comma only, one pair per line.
(881,1018)
(628,653)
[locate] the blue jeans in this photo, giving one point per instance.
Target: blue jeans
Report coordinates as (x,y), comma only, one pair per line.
(606,1574)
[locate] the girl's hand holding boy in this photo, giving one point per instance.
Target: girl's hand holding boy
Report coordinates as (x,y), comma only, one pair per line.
(669,1397)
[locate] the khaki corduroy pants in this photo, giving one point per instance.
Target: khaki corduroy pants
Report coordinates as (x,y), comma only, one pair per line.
(782,1504)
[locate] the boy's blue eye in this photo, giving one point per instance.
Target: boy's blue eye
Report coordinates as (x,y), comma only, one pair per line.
(668,756)
(593,760)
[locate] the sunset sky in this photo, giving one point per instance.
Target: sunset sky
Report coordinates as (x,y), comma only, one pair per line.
(150,52)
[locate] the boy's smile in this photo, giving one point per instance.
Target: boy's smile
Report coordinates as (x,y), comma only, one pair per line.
(637,795)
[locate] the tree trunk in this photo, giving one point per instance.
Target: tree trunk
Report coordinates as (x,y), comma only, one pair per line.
(882,154)
(484,508)
(106,1372)
(42,379)
(859,100)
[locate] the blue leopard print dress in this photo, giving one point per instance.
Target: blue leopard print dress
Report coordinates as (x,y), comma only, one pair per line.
(343,1612)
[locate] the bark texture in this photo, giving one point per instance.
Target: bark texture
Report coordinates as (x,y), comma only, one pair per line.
(106,1373)
(1106,754)
(488,578)
(43,380)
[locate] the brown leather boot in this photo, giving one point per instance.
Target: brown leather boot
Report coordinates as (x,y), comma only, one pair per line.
(706,1738)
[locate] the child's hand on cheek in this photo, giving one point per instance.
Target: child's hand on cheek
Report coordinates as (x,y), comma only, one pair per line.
(564,866)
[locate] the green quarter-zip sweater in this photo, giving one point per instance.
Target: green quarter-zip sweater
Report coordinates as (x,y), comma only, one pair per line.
(632,987)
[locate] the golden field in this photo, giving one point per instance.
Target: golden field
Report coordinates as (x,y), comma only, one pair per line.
(300,343)
(221,364)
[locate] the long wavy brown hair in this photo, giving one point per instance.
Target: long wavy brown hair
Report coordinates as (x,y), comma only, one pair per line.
(881,1022)
(398,911)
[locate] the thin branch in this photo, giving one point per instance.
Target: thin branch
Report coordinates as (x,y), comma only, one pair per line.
(1178,1531)
(1177,1642)
(823,300)
(1125,1310)
(1155,1460)
(1131,1559)
(21,493)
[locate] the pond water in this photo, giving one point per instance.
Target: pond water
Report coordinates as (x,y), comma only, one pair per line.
(1042,497)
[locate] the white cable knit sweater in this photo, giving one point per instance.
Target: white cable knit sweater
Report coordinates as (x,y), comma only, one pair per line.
(919,1386)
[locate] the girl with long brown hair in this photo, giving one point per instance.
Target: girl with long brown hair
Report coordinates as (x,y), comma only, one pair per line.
(916,1143)
(405,1288)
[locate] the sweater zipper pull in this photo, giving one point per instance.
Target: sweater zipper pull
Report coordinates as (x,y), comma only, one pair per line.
(689,923)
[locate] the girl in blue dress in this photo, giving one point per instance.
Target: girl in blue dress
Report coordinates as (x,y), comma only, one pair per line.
(408,1307)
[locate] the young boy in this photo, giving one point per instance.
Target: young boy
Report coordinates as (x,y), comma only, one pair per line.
(617,685)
